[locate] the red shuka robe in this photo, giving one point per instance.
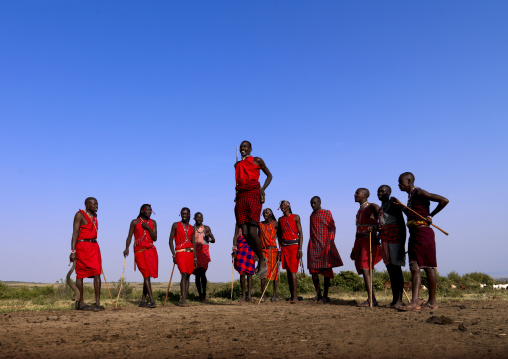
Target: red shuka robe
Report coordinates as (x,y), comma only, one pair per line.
(184,260)
(248,201)
(145,253)
(290,246)
(88,254)
(361,248)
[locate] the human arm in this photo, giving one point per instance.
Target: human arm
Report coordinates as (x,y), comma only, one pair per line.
(78,218)
(209,234)
(235,242)
(152,232)
(129,237)
(441,202)
(331,226)
(300,236)
(171,238)
(259,161)
(374,213)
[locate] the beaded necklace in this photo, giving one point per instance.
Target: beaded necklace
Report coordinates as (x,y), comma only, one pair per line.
(360,212)
(410,196)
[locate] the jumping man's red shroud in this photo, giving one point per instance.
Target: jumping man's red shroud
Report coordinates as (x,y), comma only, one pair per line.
(361,248)
(183,247)
(145,253)
(322,254)
(290,241)
(422,243)
(248,201)
(88,254)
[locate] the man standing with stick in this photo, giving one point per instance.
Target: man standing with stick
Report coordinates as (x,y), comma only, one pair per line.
(422,243)
(86,252)
(322,254)
(392,233)
(366,253)
(185,254)
(249,199)
(145,253)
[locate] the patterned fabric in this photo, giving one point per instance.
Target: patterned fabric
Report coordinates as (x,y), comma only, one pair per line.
(361,254)
(363,220)
(321,250)
(183,235)
(246,171)
(203,255)
(389,233)
(269,239)
(248,203)
(325,272)
(289,229)
(244,260)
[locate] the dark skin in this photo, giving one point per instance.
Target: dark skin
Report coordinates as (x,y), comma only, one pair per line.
(268,220)
(372,211)
(406,184)
(248,297)
(145,216)
(292,277)
(315,203)
(200,272)
(250,230)
(185,281)
(91,206)
(395,272)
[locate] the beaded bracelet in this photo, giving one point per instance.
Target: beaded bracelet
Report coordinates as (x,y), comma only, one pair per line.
(73,251)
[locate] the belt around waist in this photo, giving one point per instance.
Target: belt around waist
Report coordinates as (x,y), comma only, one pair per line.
(270,247)
(143,249)
(87,240)
(185,250)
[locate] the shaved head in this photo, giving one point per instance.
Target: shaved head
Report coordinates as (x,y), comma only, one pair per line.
(387,188)
(408,175)
(316,197)
(365,191)
(247,142)
(89,200)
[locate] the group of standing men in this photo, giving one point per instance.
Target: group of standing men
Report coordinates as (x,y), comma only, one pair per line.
(190,251)
(380,235)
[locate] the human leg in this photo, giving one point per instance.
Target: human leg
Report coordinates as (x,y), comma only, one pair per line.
(184,287)
(249,286)
(370,291)
(294,286)
(315,281)
(148,285)
(242,286)
(416,281)
(97,288)
(327,286)
(432,283)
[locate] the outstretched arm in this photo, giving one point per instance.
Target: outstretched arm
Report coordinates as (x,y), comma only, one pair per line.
(129,237)
(441,202)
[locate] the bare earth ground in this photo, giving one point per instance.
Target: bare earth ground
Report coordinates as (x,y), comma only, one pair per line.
(276,330)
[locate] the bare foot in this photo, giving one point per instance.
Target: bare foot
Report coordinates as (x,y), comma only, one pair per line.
(262,268)
(242,299)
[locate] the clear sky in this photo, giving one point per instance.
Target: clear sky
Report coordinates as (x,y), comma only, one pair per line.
(144,102)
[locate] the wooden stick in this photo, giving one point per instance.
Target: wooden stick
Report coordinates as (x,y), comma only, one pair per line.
(169,285)
(370,268)
(407,297)
(425,219)
(121,282)
(276,266)
(236,153)
(107,286)
(232,277)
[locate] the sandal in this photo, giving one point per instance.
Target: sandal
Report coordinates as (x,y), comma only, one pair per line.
(428,306)
(274,299)
(153,305)
(143,304)
(88,308)
(98,307)
(409,308)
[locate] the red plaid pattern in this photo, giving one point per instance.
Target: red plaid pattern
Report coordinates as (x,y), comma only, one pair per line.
(389,233)
(203,255)
(321,251)
(248,203)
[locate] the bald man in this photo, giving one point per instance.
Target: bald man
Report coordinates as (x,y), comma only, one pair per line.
(422,243)
(366,228)
(249,198)
(322,254)
(86,252)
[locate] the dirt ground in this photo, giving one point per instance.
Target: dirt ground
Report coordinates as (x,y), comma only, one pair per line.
(275,330)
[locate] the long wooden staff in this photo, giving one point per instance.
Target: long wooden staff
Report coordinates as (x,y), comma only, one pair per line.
(276,266)
(407,297)
(236,153)
(107,286)
(370,268)
(121,282)
(425,219)
(169,285)
(232,277)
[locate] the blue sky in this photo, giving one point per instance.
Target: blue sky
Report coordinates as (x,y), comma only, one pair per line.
(137,103)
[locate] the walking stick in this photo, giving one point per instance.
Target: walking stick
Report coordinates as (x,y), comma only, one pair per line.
(121,282)
(169,285)
(232,276)
(407,297)
(432,224)
(236,153)
(107,286)
(276,266)
(370,268)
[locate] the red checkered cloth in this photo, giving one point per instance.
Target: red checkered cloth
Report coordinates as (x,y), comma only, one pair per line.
(328,272)
(248,203)
(244,261)
(390,233)
(203,255)
(321,251)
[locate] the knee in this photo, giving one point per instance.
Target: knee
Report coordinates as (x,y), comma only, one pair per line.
(414,267)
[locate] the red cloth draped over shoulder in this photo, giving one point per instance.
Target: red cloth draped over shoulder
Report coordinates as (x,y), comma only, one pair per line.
(289,227)
(145,253)
(361,249)
(184,260)
(268,236)
(246,171)
(321,250)
(88,254)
